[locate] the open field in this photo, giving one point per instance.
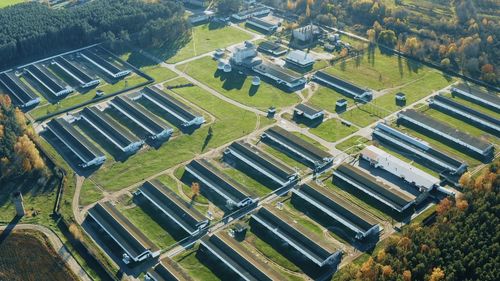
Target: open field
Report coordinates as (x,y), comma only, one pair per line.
(237,86)
(333,130)
(6,3)
(378,71)
(353,144)
(325,98)
(381,107)
(206,38)
(89,193)
(117,175)
(28,255)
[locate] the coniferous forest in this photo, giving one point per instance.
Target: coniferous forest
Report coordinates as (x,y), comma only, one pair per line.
(33,30)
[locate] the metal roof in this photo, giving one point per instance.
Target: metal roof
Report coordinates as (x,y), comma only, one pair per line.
(19,91)
(147,120)
(240,260)
(109,127)
(219,182)
(392,197)
(298,237)
(127,235)
(308,109)
(261,23)
(399,168)
(297,146)
(171,204)
(479,94)
(262,162)
(300,57)
(278,73)
(443,129)
(168,270)
(339,83)
(80,145)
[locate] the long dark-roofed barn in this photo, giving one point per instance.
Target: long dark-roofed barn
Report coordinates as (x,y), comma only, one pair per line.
(344,87)
(186,115)
(305,152)
(111,129)
(173,207)
(21,94)
(153,125)
(104,65)
(263,163)
(297,237)
(135,245)
(281,76)
(475,146)
(339,209)
(477,95)
(87,153)
(48,80)
(441,161)
(234,194)
(467,114)
(394,198)
(238,259)
(167,270)
(75,72)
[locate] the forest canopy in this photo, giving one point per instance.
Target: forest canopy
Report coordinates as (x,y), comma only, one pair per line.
(461,35)
(32,30)
(18,153)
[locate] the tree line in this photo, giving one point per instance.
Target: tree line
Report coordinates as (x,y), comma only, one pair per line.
(461,35)
(463,243)
(19,156)
(33,30)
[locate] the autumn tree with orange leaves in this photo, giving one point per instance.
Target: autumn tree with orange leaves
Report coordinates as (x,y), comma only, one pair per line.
(18,153)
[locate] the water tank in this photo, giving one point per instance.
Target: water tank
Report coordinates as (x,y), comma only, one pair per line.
(227,68)
(256,81)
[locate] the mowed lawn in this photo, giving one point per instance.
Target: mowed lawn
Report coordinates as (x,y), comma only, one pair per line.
(231,123)
(205,39)
(383,106)
(238,87)
(378,71)
(325,98)
(6,3)
(333,130)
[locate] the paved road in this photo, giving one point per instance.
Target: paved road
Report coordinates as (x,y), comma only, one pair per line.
(58,247)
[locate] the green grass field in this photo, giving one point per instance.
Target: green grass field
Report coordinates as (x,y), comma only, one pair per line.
(353,144)
(238,87)
(333,130)
(325,98)
(366,114)
(232,122)
(205,39)
(89,193)
(6,3)
(378,71)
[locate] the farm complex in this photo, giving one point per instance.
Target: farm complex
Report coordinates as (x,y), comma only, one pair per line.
(251,156)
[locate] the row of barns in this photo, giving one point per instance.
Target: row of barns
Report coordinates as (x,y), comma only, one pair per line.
(58,76)
(111,127)
(368,176)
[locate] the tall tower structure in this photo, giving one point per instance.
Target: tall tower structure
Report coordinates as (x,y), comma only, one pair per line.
(17,198)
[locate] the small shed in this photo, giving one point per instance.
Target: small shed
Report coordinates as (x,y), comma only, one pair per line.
(341,105)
